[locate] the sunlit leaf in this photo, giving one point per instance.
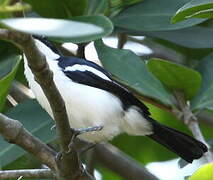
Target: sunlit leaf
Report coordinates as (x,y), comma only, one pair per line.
(203,173)
(132,71)
(176,77)
(15,8)
(80,29)
(8,69)
(194,9)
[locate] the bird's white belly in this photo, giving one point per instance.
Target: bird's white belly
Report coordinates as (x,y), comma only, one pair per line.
(88,106)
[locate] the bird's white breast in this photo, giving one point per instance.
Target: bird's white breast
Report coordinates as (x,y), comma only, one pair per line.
(88,106)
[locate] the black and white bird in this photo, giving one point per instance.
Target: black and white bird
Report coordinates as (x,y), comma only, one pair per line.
(98,100)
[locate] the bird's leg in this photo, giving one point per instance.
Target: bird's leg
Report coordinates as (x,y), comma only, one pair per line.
(90,146)
(77,132)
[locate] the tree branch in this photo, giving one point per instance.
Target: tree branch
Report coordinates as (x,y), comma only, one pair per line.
(117,161)
(122,39)
(14,132)
(19,92)
(191,121)
(69,165)
(26,173)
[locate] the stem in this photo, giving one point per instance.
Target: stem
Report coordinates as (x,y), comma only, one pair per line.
(26,173)
(192,123)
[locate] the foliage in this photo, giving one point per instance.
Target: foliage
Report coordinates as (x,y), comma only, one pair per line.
(204,173)
(177,26)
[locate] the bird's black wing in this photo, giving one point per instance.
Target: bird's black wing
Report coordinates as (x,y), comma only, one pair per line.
(88,77)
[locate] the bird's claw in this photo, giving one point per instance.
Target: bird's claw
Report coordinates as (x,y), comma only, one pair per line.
(80,131)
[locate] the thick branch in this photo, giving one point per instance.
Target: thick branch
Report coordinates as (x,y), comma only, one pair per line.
(191,121)
(69,165)
(117,161)
(26,173)
(14,132)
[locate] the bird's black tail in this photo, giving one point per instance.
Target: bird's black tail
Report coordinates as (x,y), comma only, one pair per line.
(182,144)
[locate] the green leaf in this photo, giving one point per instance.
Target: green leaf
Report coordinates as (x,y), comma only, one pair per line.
(132,71)
(116,6)
(4,3)
(97,7)
(8,69)
(7,48)
(58,9)
(15,8)
(35,120)
(195,8)
(204,99)
(203,173)
(194,37)
(150,15)
(175,76)
(79,29)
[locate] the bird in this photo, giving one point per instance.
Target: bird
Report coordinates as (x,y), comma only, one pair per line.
(94,99)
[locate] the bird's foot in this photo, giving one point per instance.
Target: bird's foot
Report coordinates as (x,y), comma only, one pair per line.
(80,131)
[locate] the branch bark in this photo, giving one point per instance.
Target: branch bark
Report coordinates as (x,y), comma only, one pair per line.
(120,163)
(26,173)
(69,165)
(192,122)
(14,132)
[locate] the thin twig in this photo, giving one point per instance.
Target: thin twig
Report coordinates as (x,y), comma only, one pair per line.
(81,50)
(14,132)
(122,39)
(19,92)
(26,173)
(192,123)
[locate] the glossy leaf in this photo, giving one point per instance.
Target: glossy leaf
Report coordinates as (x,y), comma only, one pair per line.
(132,71)
(205,97)
(58,9)
(193,37)
(35,120)
(152,15)
(8,69)
(116,6)
(175,76)
(6,49)
(15,8)
(78,30)
(97,7)
(194,8)
(203,173)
